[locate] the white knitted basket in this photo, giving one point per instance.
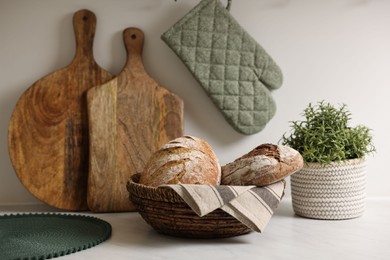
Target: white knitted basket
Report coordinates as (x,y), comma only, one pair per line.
(336,191)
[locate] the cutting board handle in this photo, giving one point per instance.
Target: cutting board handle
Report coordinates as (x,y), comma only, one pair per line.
(84,24)
(134,42)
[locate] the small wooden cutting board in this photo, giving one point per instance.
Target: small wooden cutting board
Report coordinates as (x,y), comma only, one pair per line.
(48,130)
(130,117)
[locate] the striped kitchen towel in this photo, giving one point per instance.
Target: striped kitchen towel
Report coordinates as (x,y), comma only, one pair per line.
(253,206)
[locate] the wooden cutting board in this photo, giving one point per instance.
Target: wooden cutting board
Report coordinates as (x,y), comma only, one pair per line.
(48,130)
(130,117)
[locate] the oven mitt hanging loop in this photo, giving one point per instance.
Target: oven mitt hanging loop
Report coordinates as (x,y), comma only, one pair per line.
(234,70)
(228,6)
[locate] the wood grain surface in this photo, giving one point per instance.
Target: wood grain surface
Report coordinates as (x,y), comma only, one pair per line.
(130,117)
(48,130)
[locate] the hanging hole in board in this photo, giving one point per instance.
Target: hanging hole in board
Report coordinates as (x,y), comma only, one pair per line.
(85,18)
(133,36)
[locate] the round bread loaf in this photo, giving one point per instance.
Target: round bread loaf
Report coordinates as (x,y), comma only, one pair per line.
(264,165)
(184,160)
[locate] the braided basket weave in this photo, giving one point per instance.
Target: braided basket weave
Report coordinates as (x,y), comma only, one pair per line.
(167,213)
(334,192)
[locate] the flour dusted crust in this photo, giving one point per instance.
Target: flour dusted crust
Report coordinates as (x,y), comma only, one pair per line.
(185,160)
(264,165)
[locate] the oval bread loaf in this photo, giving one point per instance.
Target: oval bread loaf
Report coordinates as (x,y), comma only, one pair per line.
(264,165)
(184,160)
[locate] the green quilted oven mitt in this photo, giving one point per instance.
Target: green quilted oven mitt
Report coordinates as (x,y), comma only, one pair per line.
(233,69)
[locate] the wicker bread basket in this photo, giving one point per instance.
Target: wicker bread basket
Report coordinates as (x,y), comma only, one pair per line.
(167,213)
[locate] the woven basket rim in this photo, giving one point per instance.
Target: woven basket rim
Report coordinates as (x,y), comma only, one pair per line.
(355,161)
(161,193)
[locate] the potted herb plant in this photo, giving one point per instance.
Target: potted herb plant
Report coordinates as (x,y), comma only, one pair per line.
(331,185)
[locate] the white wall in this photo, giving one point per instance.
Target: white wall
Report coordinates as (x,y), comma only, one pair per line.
(336,50)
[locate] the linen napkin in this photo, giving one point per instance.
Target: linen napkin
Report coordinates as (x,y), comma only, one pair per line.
(253,206)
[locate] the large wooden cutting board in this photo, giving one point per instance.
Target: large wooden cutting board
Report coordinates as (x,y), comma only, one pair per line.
(130,117)
(48,130)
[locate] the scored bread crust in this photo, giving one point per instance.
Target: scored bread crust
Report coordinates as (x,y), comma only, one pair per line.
(264,165)
(184,160)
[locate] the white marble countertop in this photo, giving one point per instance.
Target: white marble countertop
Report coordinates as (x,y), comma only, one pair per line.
(286,237)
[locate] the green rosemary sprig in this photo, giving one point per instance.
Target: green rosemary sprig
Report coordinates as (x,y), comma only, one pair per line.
(324,136)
